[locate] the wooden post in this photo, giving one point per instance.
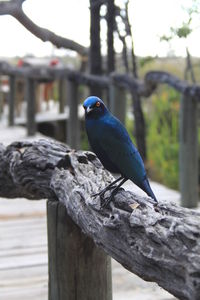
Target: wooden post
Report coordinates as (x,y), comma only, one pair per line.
(77,268)
(188,152)
(117,101)
(11,101)
(31,106)
(19,95)
(62,86)
(73,126)
(1,98)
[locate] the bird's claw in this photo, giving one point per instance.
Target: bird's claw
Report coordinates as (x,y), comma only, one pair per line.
(106,201)
(102,193)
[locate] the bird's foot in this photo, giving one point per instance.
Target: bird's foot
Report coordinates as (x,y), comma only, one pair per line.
(101,193)
(155,202)
(106,201)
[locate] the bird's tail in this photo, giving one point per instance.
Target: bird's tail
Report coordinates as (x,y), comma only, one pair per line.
(147,188)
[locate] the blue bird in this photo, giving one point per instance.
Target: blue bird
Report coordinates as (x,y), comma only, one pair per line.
(111,143)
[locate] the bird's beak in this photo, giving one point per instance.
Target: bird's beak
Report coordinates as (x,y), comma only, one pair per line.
(88,109)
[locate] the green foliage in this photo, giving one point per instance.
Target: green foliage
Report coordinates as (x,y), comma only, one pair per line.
(163,137)
(166,38)
(129,123)
(182,31)
(145,60)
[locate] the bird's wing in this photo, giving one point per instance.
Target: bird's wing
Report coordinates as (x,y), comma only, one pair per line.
(119,148)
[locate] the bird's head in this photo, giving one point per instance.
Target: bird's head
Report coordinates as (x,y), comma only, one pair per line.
(94,107)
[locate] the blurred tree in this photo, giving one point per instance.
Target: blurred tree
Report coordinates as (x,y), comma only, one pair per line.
(124,30)
(183,32)
(110,18)
(15,9)
(95,61)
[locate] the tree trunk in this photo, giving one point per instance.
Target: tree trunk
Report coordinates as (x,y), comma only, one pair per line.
(140,130)
(110,36)
(95,60)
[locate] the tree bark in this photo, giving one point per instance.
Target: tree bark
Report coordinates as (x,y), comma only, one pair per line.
(139,121)
(140,128)
(160,244)
(110,18)
(95,60)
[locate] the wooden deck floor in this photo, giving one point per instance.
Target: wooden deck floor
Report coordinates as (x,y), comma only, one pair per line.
(23,251)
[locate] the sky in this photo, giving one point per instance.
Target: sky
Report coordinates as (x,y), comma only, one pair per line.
(150,19)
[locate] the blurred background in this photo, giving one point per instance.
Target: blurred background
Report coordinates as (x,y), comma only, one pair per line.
(54,54)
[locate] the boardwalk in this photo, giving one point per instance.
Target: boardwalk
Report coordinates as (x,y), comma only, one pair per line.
(23,257)
(23,249)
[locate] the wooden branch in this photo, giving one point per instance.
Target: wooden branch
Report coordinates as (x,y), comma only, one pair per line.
(14,8)
(8,7)
(159,244)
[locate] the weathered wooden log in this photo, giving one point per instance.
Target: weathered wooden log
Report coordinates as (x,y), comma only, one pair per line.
(160,244)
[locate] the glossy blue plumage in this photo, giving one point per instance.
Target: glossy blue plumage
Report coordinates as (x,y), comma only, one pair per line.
(110,141)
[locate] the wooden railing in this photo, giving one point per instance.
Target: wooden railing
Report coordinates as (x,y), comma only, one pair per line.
(116,85)
(158,243)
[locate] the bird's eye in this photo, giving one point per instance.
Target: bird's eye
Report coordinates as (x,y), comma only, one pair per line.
(98,104)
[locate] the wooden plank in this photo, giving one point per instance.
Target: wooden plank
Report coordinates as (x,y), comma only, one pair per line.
(188,162)
(22,222)
(11,101)
(23,261)
(77,268)
(31,294)
(36,230)
(23,256)
(44,118)
(6,232)
(22,251)
(23,242)
(24,283)
(20,273)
